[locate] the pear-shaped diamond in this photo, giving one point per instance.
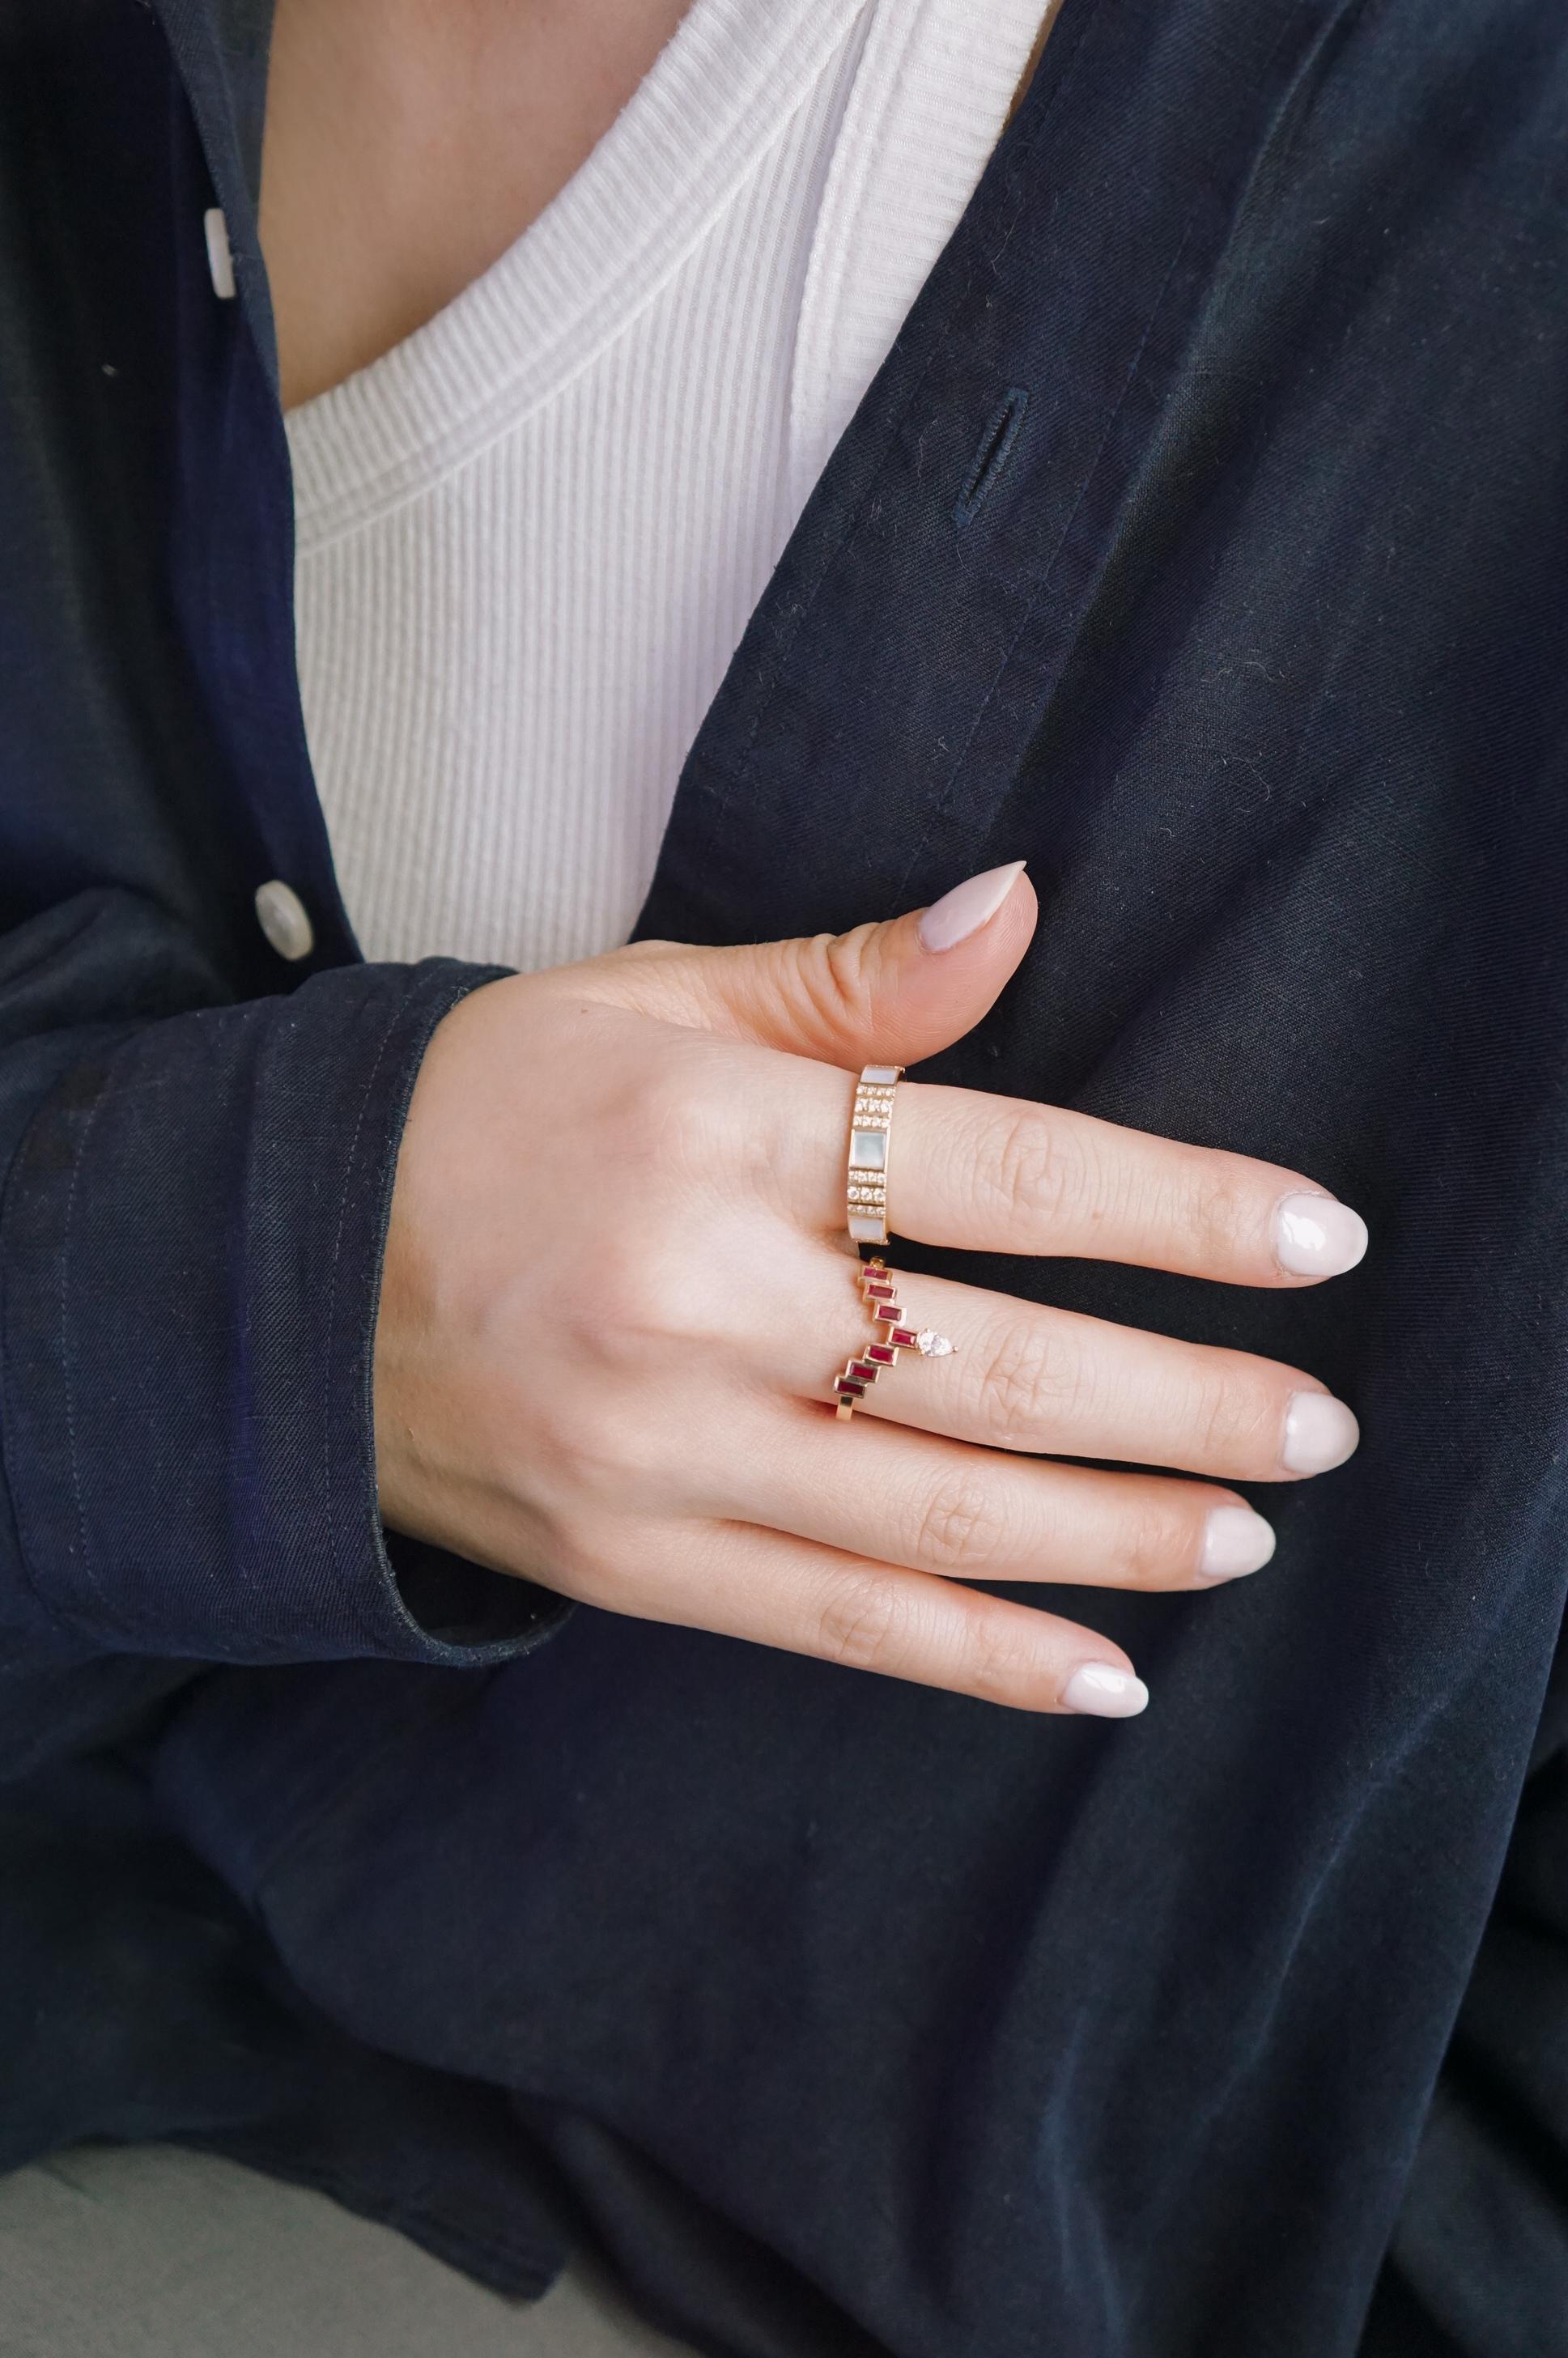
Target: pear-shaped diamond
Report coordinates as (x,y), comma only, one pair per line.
(932,1345)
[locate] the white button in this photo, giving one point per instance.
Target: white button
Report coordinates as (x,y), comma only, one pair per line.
(219,260)
(283,919)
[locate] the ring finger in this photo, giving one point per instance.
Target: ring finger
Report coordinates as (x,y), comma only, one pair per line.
(931,1505)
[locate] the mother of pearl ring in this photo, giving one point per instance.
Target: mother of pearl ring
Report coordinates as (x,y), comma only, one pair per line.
(870,1135)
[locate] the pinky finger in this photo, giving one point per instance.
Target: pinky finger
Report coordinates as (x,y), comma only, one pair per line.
(808,1599)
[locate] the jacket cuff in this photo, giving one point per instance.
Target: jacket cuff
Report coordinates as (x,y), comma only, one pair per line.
(192,1241)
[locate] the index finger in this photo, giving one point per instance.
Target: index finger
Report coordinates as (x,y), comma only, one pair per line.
(1001,1174)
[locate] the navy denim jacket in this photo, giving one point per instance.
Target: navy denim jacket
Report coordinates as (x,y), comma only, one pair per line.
(1204,540)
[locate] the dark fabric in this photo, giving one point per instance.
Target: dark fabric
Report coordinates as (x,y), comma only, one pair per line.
(197,1140)
(197,1158)
(1479,2259)
(847,2015)
(208,2043)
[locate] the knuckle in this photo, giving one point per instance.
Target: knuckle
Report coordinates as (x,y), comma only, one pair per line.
(645,1294)
(585,1447)
(659,1113)
(1219,1215)
(633,1300)
(598,1560)
(960,1527)
(1155,1548)
(626,1450)
(1032,1379)
(861,1624)
(1031,1173)
(1003,1664)
(829,985)
(672,1122)
(1233,1422)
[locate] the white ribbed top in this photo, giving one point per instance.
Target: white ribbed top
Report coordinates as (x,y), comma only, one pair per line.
(531,536)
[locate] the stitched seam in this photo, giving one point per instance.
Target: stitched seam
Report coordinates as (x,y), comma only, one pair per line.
(14,1495)
(367,1629)
(737,779)
(37,1588)
(478,1657)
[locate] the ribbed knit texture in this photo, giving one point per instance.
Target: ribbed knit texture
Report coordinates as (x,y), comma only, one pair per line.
(532,534)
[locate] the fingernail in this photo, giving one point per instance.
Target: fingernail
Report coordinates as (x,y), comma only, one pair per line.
(967,907)
(1105,1692)
(1317,1236)
(1320,1432)
(1235,1541)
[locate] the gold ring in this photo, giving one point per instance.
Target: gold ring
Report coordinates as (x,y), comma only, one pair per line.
(893,1335)
(871,1134)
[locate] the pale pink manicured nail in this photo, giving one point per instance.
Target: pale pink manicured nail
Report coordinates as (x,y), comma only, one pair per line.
(967,907)
(1235,1541)
(1317,1236)
(1102,1688)
(1320,1432)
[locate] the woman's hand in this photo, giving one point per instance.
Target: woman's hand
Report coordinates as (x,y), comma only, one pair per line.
(617,1291)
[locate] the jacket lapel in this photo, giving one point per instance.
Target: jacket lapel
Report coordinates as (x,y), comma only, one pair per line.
(859,752)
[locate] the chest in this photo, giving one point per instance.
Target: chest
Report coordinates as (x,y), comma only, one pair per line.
(406,148)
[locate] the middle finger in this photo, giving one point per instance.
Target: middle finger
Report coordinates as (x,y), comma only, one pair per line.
(1023,1376)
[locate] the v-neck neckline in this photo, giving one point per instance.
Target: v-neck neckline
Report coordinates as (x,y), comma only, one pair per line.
(580,273)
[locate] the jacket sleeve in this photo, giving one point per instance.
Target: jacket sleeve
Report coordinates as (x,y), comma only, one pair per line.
(193,1206)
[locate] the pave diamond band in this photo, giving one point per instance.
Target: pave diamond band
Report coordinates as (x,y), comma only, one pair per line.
(870,1135)
(894,1334)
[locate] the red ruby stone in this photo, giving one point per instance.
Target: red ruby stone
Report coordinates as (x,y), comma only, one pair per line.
(902,1335)
(887,1310)
(863,1374)
(844,1384)
(884,1355)
(879,1293)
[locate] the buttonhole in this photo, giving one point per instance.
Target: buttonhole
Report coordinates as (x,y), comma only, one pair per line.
(995,447)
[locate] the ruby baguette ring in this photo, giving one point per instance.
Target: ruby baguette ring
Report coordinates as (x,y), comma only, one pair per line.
(893,1335)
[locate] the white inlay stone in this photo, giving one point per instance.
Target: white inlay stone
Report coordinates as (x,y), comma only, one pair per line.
(868,1150)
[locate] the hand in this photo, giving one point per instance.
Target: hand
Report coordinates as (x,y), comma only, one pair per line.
(617,1291)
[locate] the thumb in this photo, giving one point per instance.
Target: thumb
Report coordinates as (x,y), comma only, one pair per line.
(891,993)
